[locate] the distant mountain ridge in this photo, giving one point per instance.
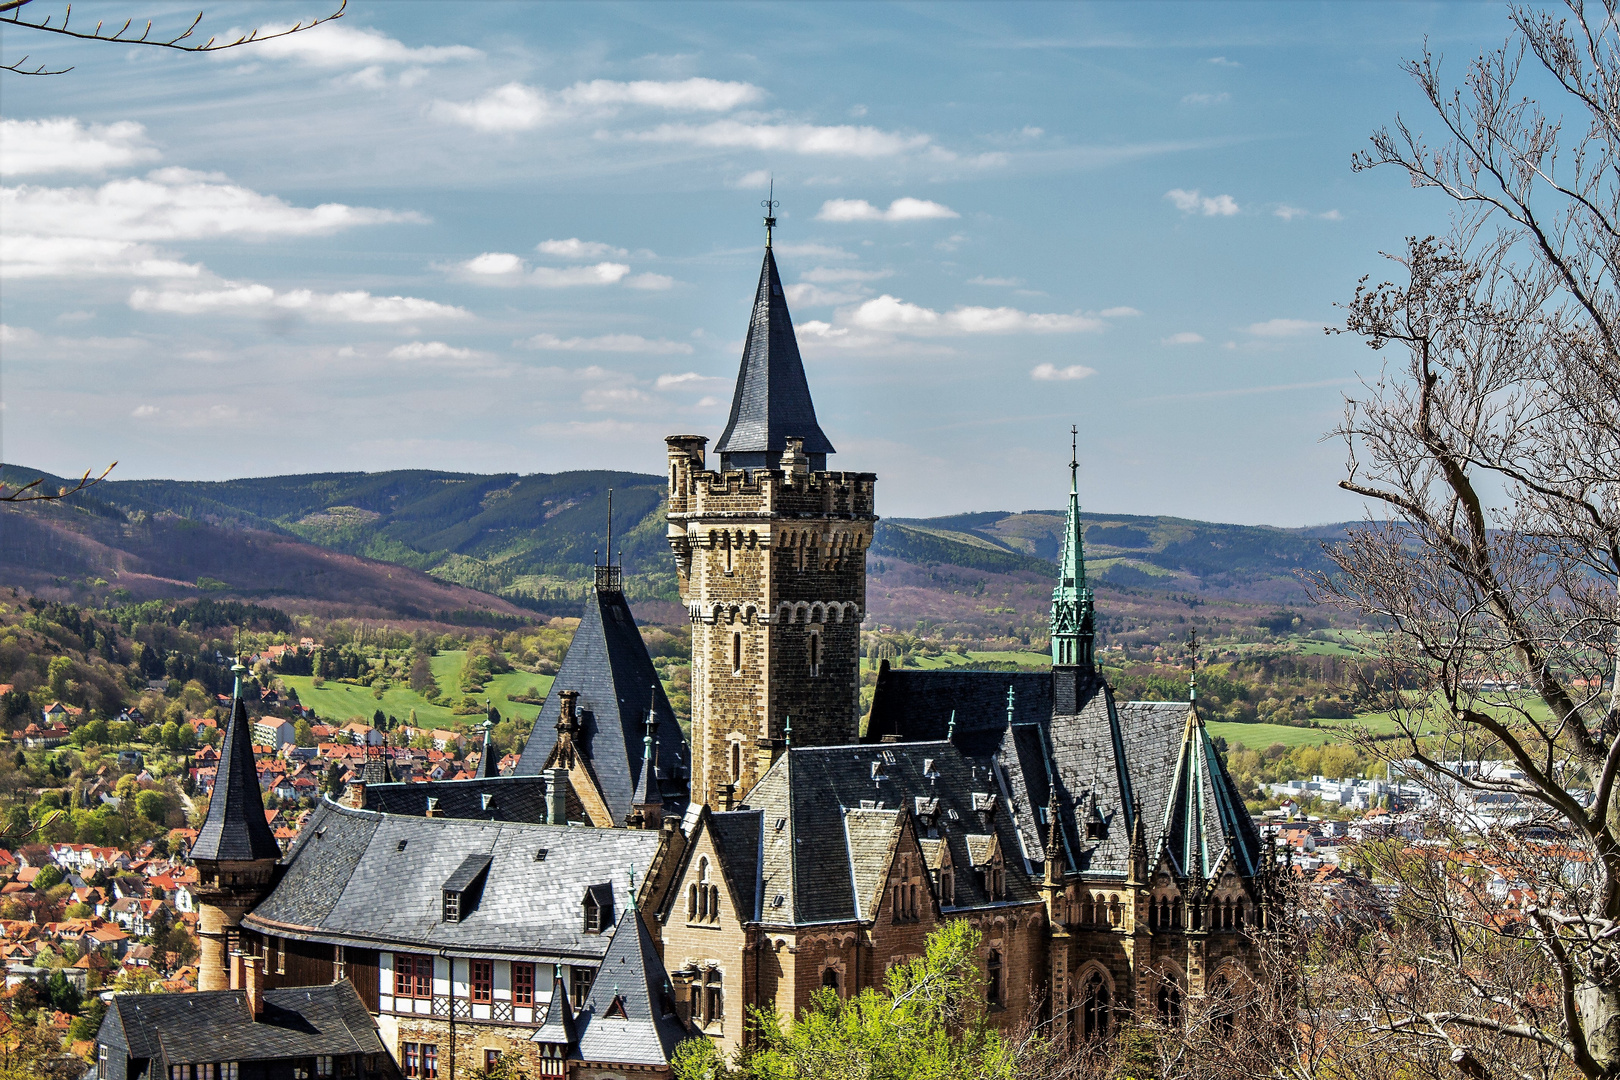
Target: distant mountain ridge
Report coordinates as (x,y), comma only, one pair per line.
(532,539)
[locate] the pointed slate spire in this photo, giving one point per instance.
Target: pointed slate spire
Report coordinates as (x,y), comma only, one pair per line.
(1204,815)
(559,1028)
(1073,620)
(629,1016)
(772,400)
(235,829)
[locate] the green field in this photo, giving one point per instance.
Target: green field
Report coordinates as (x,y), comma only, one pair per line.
(1260,736)
(342,702)
(950,660)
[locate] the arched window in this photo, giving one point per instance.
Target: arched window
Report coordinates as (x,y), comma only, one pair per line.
(1170,1003)
(713,999)
(1237,914)
(947,886)
(829,979)
(736,652)
(815,653)
(728,553)
(993,992)
(1224,1019)
(703,888)
(736,761)
(691,903)
(1095,1006)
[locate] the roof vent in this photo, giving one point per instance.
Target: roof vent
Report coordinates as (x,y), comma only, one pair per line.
(486,799)
(401,845)
(778,900)
(877,770)
(464,887)
(868,804)
(781,823)
(540,855)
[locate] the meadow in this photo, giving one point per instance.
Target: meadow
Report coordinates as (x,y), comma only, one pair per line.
(343,702)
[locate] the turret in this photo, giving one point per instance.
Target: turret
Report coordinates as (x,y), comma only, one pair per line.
(1073,621)
(236,853)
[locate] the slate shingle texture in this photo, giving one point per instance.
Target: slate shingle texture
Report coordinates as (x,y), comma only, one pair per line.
(372,879)
(916,706)
(235,829)
(772,400)
(644,1028)
(607,663)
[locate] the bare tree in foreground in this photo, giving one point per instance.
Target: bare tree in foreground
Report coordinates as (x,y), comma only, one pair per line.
(11,13)
(1492,438)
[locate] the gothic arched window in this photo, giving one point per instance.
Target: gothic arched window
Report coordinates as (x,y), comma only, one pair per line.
(1095,1006)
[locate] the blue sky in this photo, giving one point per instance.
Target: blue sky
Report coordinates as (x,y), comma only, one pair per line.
(524,237)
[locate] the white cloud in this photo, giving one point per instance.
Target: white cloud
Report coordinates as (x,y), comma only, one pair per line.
(1053,373)
(808,295)
(888,313)
(357,306)
(1331,215)
(62,144)
(757,178)
(175,204)
(687,378)
(77,256)
(575,248)
(1289,213)
(699,95)
(429,350)
(1184,337)
(494,264)
(650,282)
(602,273)
(1005,282)
(1206,99)
(1221,61)
(841,140)
(513,107)
(143,412)
(903,209)
(519,107)
(829,275)
(16,335)
(612,343)
(339,45)
(1278,328)
(1119,313)
(1191,202)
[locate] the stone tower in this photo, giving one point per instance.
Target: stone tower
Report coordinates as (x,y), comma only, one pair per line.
(771,556)
(236,853)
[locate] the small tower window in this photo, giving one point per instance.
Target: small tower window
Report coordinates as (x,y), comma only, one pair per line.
(736,762)
(728,553)
(815,653)
(736,652)
(993,992)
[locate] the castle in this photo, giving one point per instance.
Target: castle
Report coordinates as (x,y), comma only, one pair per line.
(622,892)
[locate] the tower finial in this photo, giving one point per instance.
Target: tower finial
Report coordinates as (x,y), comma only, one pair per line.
(1010,697)
(1192,675)
(770,204)
(1074,458)
(950,732)
(610,527)
(652,721)
(787,732)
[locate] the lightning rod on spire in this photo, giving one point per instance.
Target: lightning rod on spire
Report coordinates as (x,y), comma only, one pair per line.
(770,204)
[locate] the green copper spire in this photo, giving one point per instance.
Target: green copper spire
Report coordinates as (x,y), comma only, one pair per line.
(1073,626)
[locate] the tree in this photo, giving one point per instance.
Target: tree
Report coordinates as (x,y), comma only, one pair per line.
(303,733)
(49,877)
(63,994)
(152,805)
(1492,437)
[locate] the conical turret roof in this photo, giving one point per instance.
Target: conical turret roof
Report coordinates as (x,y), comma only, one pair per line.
(235,829)
(1205,813)
(772,401)
(629,1017)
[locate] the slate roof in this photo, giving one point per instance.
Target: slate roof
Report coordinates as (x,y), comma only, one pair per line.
(559,1027)
(772,400)
(737,836)
(218,1025)
(871,836)
(607,663)
(812,862)
(916,706)
(235,829)
(1107,758)
(495,798)
(360,877)
(644,1029)
(1205,814)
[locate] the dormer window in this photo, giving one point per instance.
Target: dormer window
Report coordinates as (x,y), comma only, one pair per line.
(598,908)
(463,888)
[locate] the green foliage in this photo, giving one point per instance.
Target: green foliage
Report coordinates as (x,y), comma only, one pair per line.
(49,876)
(927,1024)
(152,805)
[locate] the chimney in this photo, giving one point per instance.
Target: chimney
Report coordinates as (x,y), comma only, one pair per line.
(354,796)
(556,796)
(568,719)
(253,985)
(794,460)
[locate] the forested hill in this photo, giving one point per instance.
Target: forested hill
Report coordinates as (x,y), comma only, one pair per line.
(531,539)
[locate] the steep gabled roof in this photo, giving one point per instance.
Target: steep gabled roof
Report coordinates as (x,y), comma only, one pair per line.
(235,829)
(916,706)
(608,664)
(559,1028)
(772,400)
(1205,815)
(629,1017)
